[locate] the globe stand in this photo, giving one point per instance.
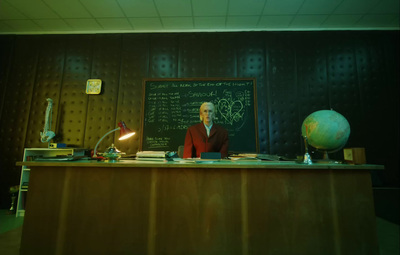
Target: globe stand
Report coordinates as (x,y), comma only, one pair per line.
(325,156)
(325,159)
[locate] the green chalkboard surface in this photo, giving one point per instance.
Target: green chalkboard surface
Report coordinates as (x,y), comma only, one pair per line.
(170,106)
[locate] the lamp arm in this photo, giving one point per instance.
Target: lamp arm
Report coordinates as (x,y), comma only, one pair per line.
(95,148)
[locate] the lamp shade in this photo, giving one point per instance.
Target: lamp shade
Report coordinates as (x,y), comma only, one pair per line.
(124,132)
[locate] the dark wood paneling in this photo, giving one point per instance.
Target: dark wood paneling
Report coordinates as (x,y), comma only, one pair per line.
(207,210)
(310,210)
(352,222)
(295,203)
(50,210)
(103,195)
(197,210)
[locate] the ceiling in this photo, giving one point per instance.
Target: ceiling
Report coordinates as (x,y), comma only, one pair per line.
(134,16)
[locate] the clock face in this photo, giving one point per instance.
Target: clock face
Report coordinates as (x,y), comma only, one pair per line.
(93,86)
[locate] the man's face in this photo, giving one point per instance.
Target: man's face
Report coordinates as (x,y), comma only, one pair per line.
(207,113)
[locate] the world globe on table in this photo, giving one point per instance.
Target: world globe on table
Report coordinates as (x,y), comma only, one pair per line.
(326,130)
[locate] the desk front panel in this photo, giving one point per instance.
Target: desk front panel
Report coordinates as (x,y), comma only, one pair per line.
(142,210)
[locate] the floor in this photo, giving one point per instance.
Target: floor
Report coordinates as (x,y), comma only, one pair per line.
(388,237)
(387,220)
(10,233)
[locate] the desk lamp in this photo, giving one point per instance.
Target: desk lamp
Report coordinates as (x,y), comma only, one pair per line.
(124,133)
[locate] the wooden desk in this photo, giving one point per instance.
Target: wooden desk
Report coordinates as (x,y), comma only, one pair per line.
(134,207)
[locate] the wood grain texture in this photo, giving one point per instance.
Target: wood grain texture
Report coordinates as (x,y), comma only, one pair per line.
(139,210)
(87,210)
(206,214)
(41,223)
(311,212)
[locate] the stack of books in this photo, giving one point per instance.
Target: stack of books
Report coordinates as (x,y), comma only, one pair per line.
(151,155)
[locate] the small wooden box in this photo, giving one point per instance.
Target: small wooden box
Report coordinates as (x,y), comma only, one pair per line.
(354,156)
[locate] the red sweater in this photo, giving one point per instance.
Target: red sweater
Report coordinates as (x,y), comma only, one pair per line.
(196,141)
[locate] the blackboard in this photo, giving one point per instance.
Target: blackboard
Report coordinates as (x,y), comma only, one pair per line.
(170,106)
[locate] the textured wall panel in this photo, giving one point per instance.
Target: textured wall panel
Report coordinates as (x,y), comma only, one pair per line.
(6,50)
(135,66)
(342,79)
(164,56)
(251,61)
(311,75)
(192,55)
(102,109)
(390,149)
(344,90)
(284,126)
(47,85)
(15,115)
(221,55)
(18,98)
(371,76)
(74,100)
(375,84)
(313,91)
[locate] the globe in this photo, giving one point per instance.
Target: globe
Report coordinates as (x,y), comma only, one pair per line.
(326,130)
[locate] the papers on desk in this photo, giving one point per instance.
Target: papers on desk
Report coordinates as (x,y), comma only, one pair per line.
(164,156)
(251,156)
(243,157)
(151,154)
(184,160)
(152,159)
(155,155)
(195,160)
(60,158)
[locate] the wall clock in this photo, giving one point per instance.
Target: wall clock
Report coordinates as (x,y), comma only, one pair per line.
(93,86)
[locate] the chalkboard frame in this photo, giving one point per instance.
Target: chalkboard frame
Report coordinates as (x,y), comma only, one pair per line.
(146,81)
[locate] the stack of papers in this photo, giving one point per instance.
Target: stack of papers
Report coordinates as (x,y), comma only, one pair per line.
(151,155)
(251,156)
(59,158)
(243,156)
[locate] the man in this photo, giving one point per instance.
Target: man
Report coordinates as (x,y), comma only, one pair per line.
(206,136)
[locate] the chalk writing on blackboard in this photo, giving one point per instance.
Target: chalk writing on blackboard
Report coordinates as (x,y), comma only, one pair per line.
(170,106)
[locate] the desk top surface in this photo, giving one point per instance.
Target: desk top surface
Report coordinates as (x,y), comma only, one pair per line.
(200,164)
